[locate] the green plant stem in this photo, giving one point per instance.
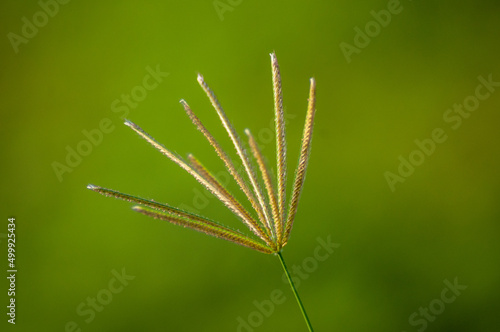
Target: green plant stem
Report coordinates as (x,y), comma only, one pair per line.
(292,285)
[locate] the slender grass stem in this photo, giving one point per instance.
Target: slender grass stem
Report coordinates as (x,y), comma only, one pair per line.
(292,285)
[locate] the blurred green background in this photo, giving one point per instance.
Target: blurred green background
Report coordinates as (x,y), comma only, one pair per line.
(397,247)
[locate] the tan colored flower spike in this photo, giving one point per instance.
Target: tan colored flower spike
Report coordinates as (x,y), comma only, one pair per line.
(273,224)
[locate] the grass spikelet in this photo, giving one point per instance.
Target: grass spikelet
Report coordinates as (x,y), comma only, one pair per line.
(279,116)
(305,152)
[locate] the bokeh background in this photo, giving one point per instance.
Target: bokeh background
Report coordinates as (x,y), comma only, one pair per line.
(397,247)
